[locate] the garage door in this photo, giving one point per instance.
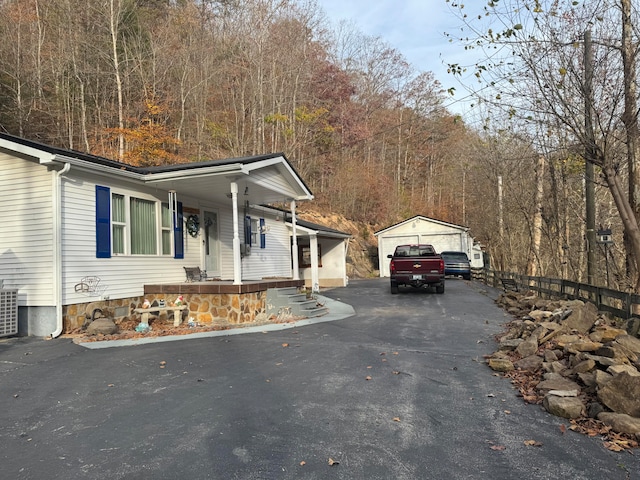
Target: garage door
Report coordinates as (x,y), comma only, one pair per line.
(444,242)
(389,245)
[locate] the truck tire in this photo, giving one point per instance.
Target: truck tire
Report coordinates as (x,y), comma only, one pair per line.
(440,288)
(467,276)
(394,288)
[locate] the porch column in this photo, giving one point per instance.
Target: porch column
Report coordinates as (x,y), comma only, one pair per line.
(237,259)
(315,277)
(294,245)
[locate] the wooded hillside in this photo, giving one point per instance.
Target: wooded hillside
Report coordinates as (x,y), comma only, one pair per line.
(170,81)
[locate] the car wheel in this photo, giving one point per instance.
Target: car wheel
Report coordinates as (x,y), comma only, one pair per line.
(467,277)
(394,288)
(440,288)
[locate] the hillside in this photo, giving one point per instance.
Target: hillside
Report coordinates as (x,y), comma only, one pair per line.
(362,254)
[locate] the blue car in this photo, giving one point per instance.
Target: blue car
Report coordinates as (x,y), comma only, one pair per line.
(456,264)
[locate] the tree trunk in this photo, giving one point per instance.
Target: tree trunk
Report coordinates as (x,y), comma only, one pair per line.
(534,251)
(113,30)
(630,120)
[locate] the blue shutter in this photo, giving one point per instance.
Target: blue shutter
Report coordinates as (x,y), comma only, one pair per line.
(247,230)
(178,234)
(263,236)
(103,222)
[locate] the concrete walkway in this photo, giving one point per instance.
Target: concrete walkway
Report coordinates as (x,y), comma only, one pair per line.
(337,311)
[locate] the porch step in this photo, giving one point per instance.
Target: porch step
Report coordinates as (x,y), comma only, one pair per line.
(282,301)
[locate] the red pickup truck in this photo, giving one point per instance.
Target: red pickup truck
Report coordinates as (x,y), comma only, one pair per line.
(417,265)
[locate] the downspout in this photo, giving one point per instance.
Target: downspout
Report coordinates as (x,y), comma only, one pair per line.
(294,245)
(57,242)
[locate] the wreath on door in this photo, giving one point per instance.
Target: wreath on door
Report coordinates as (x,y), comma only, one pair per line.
(193,225)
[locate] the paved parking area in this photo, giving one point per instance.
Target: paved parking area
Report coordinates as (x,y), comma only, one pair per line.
(397,390)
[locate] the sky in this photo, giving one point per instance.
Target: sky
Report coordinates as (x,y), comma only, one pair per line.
(415,28)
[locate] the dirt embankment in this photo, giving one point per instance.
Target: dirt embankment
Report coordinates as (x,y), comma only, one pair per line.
(362,254)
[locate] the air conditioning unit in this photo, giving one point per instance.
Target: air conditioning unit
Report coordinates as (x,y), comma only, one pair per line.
(245,249)
(8,312)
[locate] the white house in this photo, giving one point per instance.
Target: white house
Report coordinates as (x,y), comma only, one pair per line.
(78,228)
(442,235)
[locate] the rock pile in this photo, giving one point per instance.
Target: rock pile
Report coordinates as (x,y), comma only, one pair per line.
(574,361)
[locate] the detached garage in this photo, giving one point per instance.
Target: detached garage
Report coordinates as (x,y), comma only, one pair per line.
(442,235)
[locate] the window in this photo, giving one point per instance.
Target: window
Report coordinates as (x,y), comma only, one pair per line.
(143,227)
(255,231)
(118,223)
(166,229)
(304,256)
(129,225)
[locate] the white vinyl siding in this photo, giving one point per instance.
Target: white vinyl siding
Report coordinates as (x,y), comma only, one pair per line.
(26,239)
(272,261)
(121,276)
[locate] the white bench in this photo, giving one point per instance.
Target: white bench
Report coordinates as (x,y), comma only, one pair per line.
(177,313)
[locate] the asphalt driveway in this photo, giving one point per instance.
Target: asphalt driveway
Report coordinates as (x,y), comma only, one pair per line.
(397,391)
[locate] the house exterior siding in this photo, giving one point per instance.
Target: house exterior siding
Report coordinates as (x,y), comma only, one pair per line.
(121,276)
(58,235)
(27,236)
(275,259)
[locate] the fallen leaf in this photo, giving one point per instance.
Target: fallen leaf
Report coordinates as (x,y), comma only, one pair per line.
(613,446)
(369,366)
(303,463)
(111,385)
(395,353)
(508,412)
(498,447)
(490,395)
(383,353)
(532,443)
(368,377)
(396,373)
(285,345)
(396,419)
(163,363)
(563,429)
(332,462)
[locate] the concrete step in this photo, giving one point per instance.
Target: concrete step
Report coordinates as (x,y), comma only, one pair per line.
(289,301)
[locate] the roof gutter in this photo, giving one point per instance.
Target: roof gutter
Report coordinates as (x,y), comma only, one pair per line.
(57,242)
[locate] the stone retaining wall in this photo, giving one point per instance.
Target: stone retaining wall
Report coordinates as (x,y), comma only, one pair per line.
(204,308)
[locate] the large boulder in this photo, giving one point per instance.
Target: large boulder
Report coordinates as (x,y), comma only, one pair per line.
(582,319)
(528,347)
(629,342)
(563,406)
(622,394)
(557,383)
(102,326)
(500,364)
(621,422)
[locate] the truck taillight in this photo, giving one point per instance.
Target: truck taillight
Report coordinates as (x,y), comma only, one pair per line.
(392,267)
(441,266)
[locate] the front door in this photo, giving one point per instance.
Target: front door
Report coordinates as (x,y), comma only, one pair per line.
(211,244)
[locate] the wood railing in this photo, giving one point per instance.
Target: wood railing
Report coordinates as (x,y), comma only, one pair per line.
(620,304)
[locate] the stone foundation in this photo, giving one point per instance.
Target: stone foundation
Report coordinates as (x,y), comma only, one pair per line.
(204,308)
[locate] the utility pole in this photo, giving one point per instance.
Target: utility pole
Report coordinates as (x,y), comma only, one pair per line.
(589,159)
